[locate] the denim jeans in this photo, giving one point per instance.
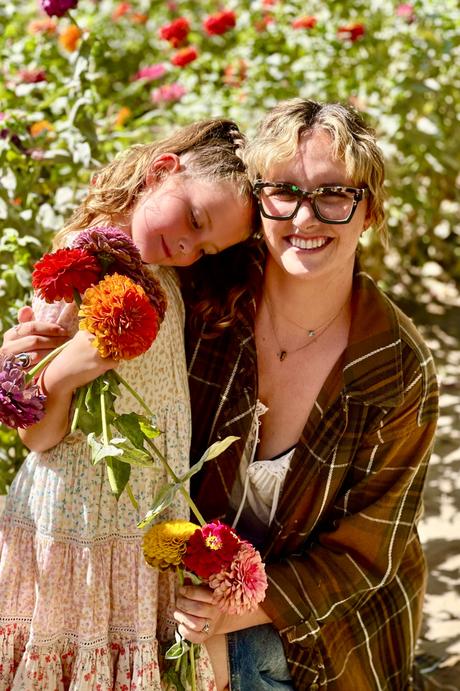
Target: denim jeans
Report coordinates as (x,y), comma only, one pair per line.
(256,660)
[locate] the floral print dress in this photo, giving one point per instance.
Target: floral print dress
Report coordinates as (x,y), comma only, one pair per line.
(80,609)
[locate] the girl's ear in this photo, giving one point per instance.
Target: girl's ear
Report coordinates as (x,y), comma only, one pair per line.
(164,164)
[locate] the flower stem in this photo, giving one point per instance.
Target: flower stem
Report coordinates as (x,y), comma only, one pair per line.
(172,474)
(191,653)
(78,404)
(39,366)
(105,431)
(131,496)
(133,392)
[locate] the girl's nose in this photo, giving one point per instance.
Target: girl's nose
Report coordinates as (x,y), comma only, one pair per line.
(188,249)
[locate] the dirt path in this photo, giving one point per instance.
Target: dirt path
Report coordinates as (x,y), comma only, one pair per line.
(440,527)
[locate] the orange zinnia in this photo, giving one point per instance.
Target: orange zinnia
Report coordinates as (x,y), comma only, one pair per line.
(121,317)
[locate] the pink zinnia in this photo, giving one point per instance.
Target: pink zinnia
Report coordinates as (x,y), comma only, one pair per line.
(151,72)
(168,93)
(242,586)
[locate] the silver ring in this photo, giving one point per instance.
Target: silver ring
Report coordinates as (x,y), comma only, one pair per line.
(206,627)
(22,360)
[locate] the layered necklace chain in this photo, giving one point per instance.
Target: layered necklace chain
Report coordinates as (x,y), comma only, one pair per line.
(313,334)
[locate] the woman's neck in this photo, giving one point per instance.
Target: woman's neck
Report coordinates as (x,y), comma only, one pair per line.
(307,302)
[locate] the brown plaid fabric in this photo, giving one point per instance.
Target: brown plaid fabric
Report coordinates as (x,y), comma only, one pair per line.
(345,567)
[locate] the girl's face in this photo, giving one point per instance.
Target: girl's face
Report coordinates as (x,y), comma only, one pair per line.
(180,219)
(306,247)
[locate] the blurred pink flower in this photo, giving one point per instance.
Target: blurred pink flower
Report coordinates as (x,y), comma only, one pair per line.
(151,72)
(240,587)
(406,11)
(32,76)
(168,93)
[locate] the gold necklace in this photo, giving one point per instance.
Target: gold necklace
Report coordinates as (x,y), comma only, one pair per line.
(313,334)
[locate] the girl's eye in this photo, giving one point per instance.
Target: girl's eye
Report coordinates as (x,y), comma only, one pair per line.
(194,221)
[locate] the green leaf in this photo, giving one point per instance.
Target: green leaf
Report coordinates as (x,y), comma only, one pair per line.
(179,648)
(212,452)
(163,499)
(149,428)
(99,450)
(118,474)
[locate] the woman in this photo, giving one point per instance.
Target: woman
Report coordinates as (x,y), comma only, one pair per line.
(334,397)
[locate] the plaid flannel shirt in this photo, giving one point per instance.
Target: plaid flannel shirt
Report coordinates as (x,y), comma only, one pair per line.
(345,567)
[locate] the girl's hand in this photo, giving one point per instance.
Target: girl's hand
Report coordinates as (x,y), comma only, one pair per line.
(198,618)
(76,365)
(36,338)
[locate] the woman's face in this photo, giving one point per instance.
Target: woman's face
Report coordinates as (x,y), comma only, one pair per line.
(182,218)
(304,246)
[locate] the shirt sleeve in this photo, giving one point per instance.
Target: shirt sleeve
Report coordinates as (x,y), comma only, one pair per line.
(360,543)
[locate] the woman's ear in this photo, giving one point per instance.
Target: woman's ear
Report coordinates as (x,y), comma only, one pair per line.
(163,165)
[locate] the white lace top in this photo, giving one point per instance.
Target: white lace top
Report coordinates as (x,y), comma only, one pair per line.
(257,490)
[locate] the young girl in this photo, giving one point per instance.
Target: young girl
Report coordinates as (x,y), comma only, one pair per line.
(79,608)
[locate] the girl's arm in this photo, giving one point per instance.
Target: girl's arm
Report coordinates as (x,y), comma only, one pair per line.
(78,364)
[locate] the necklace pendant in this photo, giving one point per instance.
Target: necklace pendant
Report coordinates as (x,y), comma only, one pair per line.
(311,333)
(282,355)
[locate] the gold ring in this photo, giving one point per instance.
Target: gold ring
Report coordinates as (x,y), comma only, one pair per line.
(206,627)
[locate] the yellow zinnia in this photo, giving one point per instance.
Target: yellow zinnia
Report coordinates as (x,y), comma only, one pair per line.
(165,543)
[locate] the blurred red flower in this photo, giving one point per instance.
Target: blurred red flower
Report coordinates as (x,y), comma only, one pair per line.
(176,31)
(351,31)
(220,22)
(184,56)
(304,23)
(57,274)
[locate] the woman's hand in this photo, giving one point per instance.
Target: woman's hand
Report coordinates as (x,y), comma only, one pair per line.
(36,338)
(199,619)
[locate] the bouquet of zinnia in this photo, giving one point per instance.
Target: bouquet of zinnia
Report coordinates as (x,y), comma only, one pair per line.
(122,304)
(209,553)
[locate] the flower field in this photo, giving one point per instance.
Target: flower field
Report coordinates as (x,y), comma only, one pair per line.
(85,78)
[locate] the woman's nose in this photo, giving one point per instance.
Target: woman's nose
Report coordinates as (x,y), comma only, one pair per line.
(188,248)
(305,213)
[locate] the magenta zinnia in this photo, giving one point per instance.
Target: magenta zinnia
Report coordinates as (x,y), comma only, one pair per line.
(210,549)
(117,253)
(241,587)
(58,7)
(58,274)
(21,403)
(121,317)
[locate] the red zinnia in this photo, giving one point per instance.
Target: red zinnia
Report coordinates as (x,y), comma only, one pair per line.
(184,56)
(304,23)
(220,23)
(351,31)
(211,548)
(57,274)
(176,31)
(120,315)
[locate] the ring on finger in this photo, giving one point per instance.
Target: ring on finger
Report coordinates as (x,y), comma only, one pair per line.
(22,360)
(16,329)
(206,627)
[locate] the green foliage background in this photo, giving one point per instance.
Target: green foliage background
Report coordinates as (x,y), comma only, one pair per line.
(402,73)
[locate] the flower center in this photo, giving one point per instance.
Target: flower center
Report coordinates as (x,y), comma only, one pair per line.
(213,542)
